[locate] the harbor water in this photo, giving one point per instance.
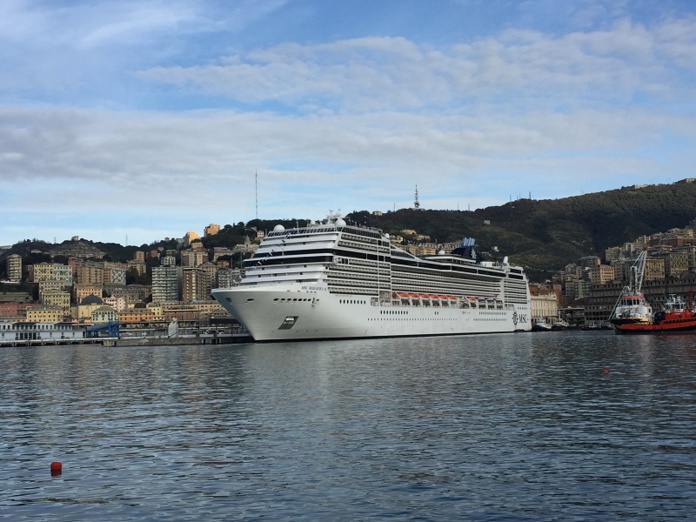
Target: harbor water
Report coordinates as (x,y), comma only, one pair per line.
(536,426)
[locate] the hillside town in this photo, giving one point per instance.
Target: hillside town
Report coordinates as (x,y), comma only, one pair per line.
(88,290)
(585,292)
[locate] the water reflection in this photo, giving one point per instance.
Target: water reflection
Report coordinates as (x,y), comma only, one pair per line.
(590,425)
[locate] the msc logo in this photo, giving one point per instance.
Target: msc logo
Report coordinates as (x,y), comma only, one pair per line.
(519,318)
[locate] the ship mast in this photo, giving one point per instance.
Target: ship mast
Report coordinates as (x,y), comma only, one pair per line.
(635,281)
(638,272)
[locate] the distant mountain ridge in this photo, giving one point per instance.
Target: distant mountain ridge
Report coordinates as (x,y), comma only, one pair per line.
(545,235)
(541,235)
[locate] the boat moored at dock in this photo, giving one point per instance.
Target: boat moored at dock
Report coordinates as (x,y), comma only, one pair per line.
(331,280)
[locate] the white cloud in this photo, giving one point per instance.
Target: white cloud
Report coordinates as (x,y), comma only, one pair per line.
(393,73)
(349,123)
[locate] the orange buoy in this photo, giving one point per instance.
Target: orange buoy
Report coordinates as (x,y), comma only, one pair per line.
(56,468)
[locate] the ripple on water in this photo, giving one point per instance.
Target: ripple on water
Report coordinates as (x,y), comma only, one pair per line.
(528,427)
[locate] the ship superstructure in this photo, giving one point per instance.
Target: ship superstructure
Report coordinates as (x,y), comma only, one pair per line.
(332,280)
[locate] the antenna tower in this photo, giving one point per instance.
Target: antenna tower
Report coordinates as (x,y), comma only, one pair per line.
(256,181)
(416,204)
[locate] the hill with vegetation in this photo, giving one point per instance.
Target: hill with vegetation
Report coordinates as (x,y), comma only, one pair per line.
(545,235)
(541,235)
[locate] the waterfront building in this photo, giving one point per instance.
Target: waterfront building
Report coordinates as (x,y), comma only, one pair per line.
(14,268)
(157,311)
(45,314)
(137,316)
(544,305)
(104,314)
(194,311)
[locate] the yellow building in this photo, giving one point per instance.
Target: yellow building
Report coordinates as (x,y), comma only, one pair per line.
(136,316)
(43,272)
(211,230)
(654,269)
(45,314)
(82,291)
(50,286)
(601,274)
(57,299)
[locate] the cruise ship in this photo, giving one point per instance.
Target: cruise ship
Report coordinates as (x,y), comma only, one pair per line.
(333,280)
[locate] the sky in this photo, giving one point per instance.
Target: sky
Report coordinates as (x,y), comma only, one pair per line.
(129,121)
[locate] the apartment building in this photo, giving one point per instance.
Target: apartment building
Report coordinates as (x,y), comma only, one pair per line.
(81,291)
(193,257)
(14,268)
(654,269)
(196,285)
(166,282)
(45,314)
(676,263)
(114,273)
(227,277)
(600,274)
(58,299)
(88,272)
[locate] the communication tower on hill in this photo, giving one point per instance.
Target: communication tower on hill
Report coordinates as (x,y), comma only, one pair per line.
(416,204)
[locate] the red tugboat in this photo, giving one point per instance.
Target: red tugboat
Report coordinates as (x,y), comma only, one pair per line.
(633,314)
(676,317)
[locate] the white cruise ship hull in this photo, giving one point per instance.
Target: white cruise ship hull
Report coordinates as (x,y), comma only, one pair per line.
(303,312)
(332,280)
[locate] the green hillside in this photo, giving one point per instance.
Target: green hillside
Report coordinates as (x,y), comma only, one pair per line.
(545,235)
